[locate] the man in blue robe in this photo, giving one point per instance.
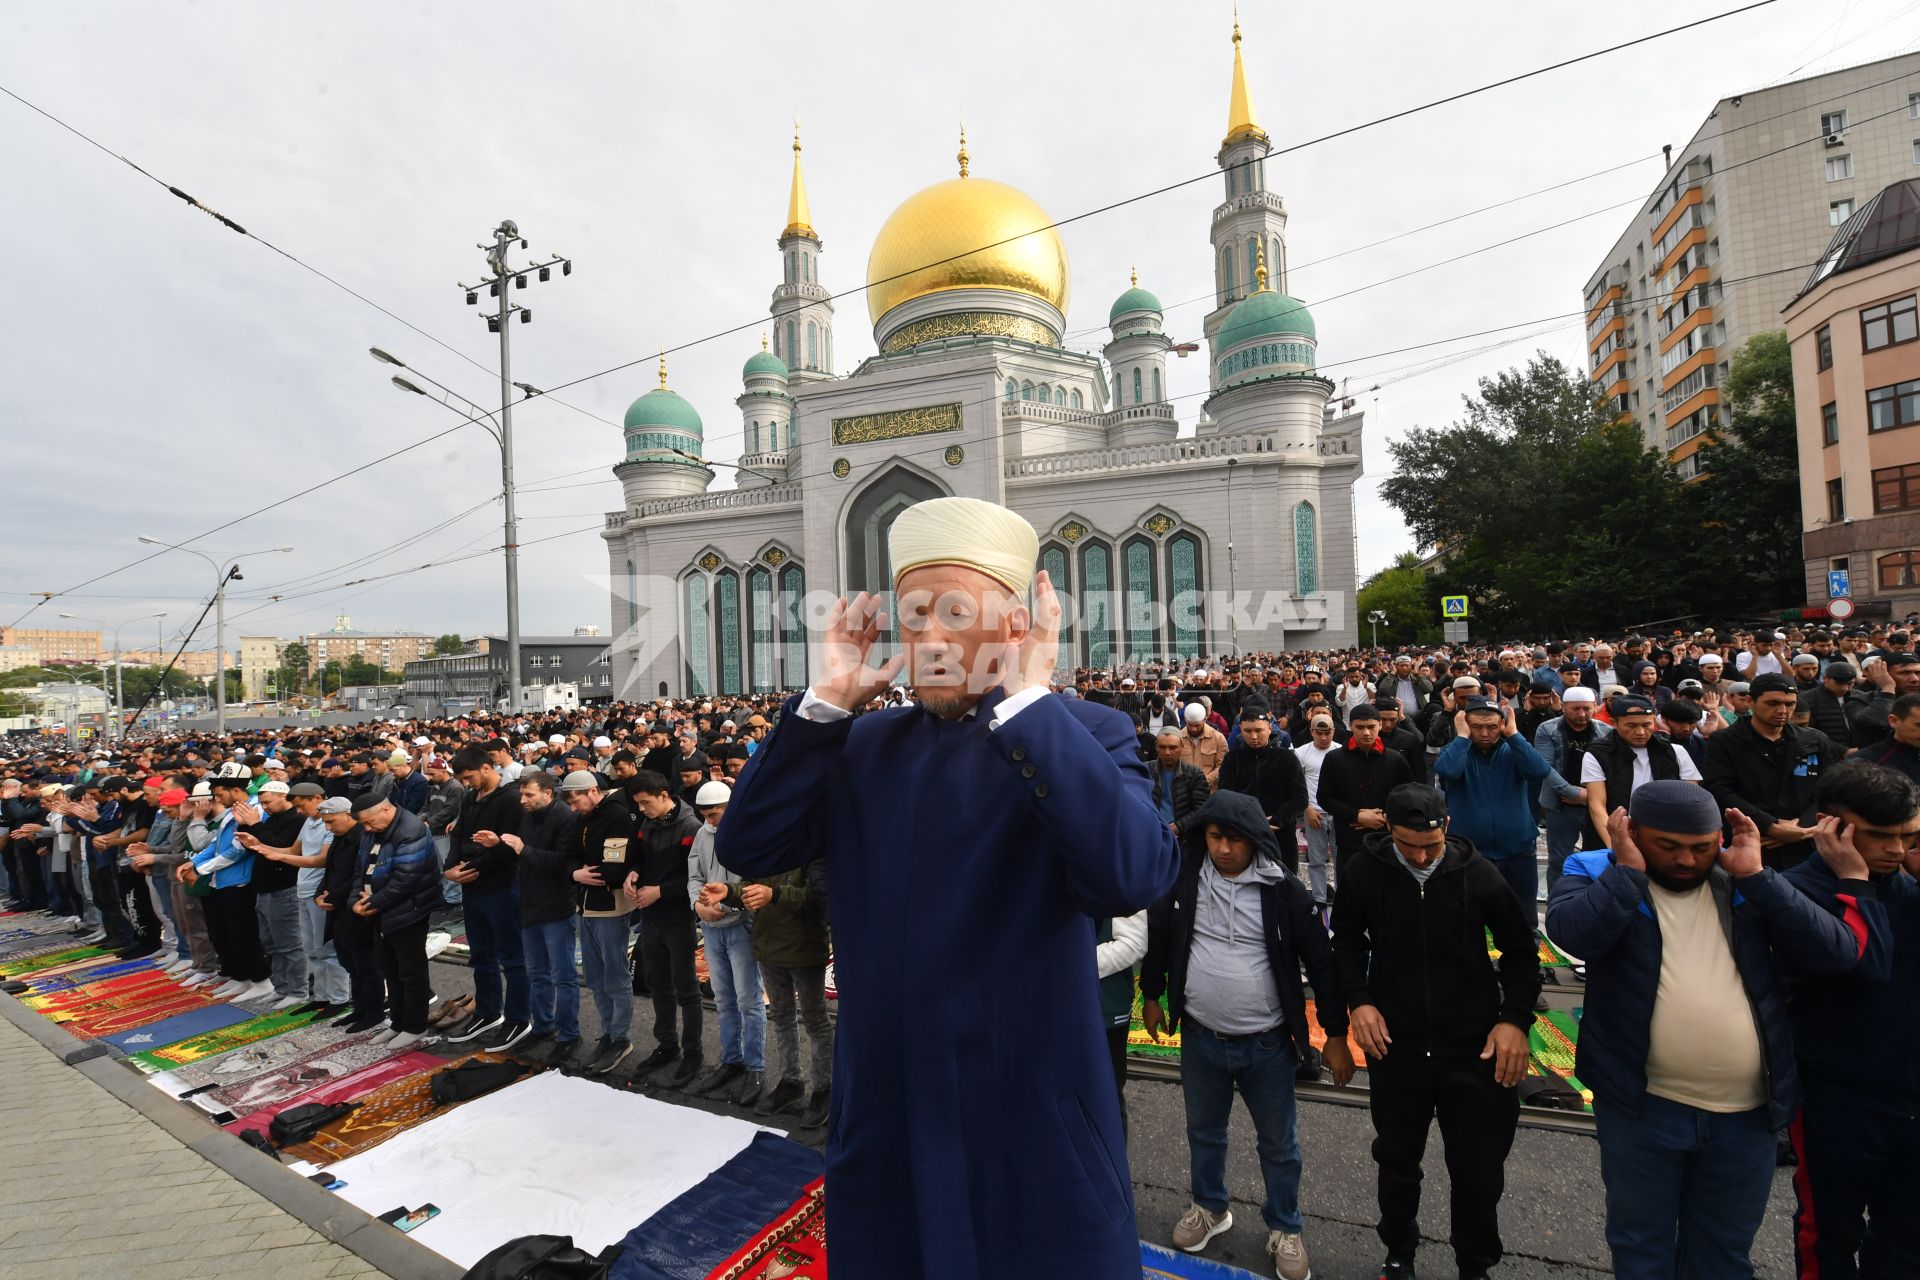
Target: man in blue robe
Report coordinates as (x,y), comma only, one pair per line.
(971,841)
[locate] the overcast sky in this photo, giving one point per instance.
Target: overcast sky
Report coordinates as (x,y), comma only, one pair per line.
(164,375)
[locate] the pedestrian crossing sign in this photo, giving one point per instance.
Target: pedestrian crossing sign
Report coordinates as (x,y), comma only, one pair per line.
(1453,606)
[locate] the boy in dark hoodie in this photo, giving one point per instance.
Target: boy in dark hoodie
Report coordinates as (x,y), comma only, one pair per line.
(1444,1031)
(1225,948)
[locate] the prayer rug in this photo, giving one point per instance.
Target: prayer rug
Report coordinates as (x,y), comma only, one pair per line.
(225,1040)
(1164,1264)
(1167,1048)
(698,1230)
(85,974)
(554,1153)
(182,1026)
(1551,1045)
(793,1244)
(95,1024)
(54,956)
(288,1080)
(101,993)
(389,1110)
(348,1088)
(243,1062)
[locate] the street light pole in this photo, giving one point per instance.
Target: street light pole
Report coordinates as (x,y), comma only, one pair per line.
(222,573)
(117,701)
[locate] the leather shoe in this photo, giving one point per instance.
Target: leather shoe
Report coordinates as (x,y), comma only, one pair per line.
(715,1079)
(749,1091)
(781,1097)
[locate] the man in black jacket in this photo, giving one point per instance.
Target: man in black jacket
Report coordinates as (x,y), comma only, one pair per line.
(1354,785)
(1178,788)
(607,849)
(657,887)
(547,848)
(356,939)
(1832,703)
(400,891)
(483,867)
(1271,775)
(1225,948)
(1613,767)
(1769,769)
(1444,1032)
(1891,676)
(1400,735)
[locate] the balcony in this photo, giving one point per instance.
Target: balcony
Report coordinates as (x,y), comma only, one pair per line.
(1034,411)
(1264,200)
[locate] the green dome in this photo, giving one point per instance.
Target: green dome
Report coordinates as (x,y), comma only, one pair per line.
(1265,315)
(663,408)
(764,362)
(1134,299)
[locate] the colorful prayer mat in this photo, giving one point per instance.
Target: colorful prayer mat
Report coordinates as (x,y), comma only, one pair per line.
(697,1230)
(792,1245)
(1167,1048)
(182,1026)
(317,1067)
(389,1110)
(246,1061)
(224,1040)
(53,956)
(346,1089)
(102,993)
(84,974)
(106,1022)
(1164,1264)
(1552,1043)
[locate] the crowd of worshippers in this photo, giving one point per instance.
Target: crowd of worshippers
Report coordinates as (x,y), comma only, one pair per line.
(1723,830)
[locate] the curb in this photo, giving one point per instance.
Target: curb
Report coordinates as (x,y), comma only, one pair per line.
(320,1211)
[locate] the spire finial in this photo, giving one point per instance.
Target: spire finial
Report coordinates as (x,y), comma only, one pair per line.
(799,217)
(763,342)
(663,369)
(1236,22)
(1133,277)
(1260,267)
(963,148)
(1240,119)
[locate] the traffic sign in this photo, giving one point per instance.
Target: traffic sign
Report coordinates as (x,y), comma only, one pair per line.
(1454,632)
(1840,607)
(1839,583)
(1453,606)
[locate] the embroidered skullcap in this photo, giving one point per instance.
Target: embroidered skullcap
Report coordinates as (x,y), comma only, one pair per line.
(967,532)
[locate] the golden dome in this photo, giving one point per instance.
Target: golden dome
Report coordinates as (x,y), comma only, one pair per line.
(929,246)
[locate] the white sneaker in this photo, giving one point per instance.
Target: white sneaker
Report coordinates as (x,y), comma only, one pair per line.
(288,1002)
(1197,1226)
(255,991)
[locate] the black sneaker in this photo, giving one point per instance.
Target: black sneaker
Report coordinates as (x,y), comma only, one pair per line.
(474,1028)
(781,1097)
(534,1046)
(660,1057)
(1394,1269)
(509,1035)
(749,1091)
(814,1114)
(715,1079)
(683,1072)
(561,1052)
(610,1057)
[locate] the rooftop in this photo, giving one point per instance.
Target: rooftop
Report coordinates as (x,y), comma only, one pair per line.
(1889,223)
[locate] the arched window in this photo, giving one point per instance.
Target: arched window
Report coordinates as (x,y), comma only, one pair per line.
(789,266)
(1899,570)
(1306,552)
(1136,384)
(1013,389)
(793,634)
(870,518)
(1053,558)
(1076,400)
(1026,391)
(1226,274)
(793,347)
(806,269)
(1277,266)
(1185,621)
(1043,393)
(1060,396)
(760,605)
(1137,605)
(756,437)
(699,638)
(726,590)
(1157,396)
(633,597)
(813,345)
(1253,261)
(776,341)
(1096,603)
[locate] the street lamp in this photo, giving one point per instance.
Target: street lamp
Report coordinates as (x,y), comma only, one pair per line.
(1376,617)
(503,437)
(119,700)
(221,574)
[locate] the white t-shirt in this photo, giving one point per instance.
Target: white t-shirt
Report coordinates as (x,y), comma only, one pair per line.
(1311,757)
(1590,770)
(1703,1049)
(1765,664)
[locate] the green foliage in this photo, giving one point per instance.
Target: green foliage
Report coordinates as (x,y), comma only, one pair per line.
(140,682)
(449,643)
(1747,500)
(1409,599)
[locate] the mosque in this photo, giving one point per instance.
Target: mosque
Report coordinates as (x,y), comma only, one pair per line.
(972,392)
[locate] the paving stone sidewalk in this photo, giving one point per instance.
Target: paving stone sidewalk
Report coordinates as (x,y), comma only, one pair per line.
(89,1187)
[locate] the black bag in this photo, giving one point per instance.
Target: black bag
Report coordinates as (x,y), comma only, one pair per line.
(544,1258)
(472,1080)
(253,1138)
(297,1124)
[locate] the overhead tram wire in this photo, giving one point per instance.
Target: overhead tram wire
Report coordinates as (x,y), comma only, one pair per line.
(1188,182)
(306,578)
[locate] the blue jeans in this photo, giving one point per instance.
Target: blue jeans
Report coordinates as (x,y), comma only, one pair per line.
(737,997)
(281,936)
(1686,1189)
(330,981)
(1319,855)
(553,983)
(1566,826)
(450,893)
(164,900)
(1261,1067)
(1522,875)
(603,961)
(493,949)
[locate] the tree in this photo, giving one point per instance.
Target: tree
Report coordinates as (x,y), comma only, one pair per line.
(1407,596)
(1547,510)
(449,643)
(291,675)
(1748,496)
(140,685)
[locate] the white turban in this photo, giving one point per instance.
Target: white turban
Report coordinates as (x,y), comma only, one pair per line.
(966,532)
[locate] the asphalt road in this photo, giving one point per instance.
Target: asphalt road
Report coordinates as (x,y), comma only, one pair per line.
(1552,1217)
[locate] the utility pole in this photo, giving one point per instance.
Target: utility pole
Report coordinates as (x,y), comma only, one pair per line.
(498,321)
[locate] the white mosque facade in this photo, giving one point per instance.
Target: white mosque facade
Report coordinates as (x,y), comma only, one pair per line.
(1151,535)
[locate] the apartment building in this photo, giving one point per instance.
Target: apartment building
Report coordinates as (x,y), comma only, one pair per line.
(53,646)
(259,658)
(1729,235)
(390,651)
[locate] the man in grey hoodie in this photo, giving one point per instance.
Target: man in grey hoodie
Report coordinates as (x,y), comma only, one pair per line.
(727,932)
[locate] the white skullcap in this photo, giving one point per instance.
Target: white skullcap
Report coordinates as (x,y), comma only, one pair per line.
(967,532)
(1195,713)
(712,793)
(1577,693)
